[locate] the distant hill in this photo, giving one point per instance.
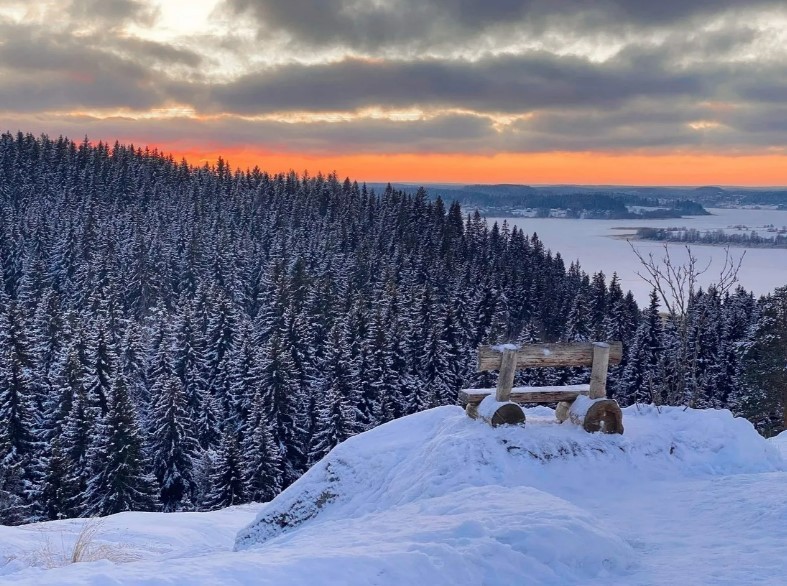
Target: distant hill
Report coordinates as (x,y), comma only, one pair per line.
(562,201)
(608,201)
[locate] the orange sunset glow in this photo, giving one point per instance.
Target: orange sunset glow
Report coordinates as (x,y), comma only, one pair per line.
(538,168)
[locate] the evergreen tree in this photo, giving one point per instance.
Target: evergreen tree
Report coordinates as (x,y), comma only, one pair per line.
(57,490)
(639,381)
(336,420)
(435,372)
(263,470)
(227,479)
(286,416)
(78,427)
(579,327)
(173,447)
(120,481)
(18,467)
(763,394)
(100,365)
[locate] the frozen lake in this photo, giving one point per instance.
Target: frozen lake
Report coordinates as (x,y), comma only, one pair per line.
(593,243)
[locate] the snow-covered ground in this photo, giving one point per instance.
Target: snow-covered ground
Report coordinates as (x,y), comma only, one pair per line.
(683,497)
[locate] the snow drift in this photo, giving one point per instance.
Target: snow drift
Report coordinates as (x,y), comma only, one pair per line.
(437,498)
(780,441)
(440,480)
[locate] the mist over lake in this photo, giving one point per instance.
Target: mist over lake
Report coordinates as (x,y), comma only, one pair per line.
(598,246)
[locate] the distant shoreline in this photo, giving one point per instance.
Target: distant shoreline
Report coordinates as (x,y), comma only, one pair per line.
(721,244)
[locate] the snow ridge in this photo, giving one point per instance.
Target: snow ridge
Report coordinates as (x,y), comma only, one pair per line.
(440,452)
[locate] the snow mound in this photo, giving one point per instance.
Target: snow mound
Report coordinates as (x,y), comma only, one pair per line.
(439,499)
(780,441)
(440,457)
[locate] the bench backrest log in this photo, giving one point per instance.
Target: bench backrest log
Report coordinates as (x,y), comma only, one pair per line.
(509,359)
(545,355)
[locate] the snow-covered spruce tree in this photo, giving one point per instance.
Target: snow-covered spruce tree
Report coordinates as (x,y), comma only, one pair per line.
(222,333)
(360,338)
(706,342)
(49,335)
(78,428)
(599,305)
(454,342)
(263,469)
(579,328)
(286,416)
(59,486)
(173,446)
(243,379)
(120,481)
(131,362)
(336,416)
(188,360)
(435,373)
(57,491)
(763,396)
(399,386)
(619,324)
(639,382)
(101,362)
(207,426)
(228,487)
(18,464)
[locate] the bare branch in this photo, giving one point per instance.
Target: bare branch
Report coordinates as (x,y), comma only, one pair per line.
(676,284)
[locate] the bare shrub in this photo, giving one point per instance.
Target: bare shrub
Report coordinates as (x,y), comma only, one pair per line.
(84,548)
(677,285)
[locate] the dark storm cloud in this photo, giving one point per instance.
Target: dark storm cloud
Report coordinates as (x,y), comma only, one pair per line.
(448,133)
(506,83)
(647,125)
(146,50)
(665,128)
(763,124)
(50,70)
(366,24)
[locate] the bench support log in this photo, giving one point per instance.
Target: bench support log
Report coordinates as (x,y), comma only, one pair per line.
(598,374)
(505,380)
(499,413)
(602,415)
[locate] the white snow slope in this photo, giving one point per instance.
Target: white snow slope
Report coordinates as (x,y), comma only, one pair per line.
(684,497)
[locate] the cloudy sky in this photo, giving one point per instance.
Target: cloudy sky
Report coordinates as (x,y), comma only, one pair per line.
(530,91)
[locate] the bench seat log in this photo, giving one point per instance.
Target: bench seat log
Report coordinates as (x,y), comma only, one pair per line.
(546,355)
(528,394)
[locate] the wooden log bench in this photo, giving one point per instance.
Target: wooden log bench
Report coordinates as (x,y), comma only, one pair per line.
(594,412)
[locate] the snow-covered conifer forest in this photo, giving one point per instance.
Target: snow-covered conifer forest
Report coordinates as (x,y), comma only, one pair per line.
(178,338)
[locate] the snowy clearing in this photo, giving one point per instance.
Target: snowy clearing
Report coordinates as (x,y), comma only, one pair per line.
(683,497)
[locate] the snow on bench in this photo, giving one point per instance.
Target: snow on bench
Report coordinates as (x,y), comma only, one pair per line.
(529,394)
